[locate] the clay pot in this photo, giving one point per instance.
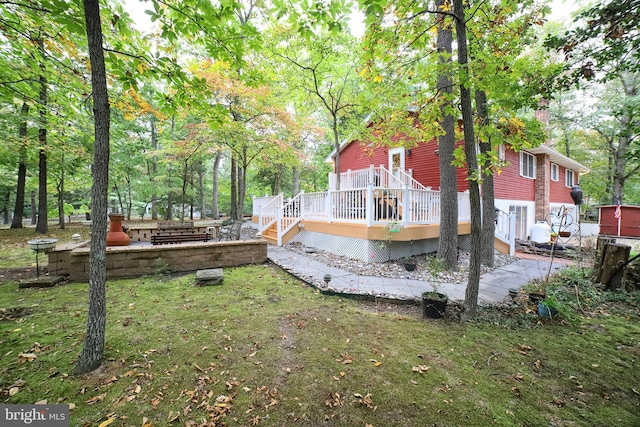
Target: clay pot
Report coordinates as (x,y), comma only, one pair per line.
(115,236)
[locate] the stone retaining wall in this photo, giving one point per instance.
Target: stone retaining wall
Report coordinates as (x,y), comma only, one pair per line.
(133,261)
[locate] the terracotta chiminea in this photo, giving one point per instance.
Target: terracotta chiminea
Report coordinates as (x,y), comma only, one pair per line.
(115,236)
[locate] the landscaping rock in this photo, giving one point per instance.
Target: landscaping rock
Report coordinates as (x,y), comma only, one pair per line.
(212,276)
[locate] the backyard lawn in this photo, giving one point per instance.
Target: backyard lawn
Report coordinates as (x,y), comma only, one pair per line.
(265,349)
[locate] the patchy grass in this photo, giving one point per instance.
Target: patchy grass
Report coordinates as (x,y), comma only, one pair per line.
(271,351)
(264,349)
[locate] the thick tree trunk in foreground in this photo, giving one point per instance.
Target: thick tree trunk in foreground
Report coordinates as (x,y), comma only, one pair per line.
(473,284)
(215,204)
(488,203)
(42,222)
(448,242)
(93,350)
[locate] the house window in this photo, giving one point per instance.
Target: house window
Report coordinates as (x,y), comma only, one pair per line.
(501,153)
(527,165)
(569,178)
(555,172)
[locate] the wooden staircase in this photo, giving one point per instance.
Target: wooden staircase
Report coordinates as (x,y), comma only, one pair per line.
(271,235)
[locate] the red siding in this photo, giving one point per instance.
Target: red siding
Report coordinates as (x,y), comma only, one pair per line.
(423,160)
(509,184)
(559,193)
(354,157)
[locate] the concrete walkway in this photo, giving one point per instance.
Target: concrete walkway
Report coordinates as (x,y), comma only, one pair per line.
(494,285)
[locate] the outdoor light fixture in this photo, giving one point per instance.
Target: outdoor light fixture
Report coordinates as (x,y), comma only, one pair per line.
(327,279)
(408,151)
(576,195)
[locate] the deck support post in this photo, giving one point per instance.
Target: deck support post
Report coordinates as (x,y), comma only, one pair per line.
(406,203)
(368,213)
(329,206)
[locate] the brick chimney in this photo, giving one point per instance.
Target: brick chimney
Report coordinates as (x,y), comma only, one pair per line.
(543,166)
(542,187)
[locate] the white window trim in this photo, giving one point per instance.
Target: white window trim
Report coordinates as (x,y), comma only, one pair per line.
(568,172)
(557,174)
(501,153)
(522,154)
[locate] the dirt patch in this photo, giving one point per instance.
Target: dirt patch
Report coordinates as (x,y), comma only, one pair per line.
(18,274)
(14,313)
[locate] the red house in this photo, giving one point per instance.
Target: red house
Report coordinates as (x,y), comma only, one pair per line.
(534,184)
(388,204)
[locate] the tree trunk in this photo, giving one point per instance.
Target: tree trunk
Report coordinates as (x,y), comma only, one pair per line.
(154,169)
(34,208)
(296,181)
(61,199)
(470,304)
(5,209)
(169,207)
(611,271)
(336,146)
(448,241)
(93,350)
(42,225)
(624,140)
(185,176)
(488,203)
(201,201)
(18,211)
(234,190)
(215,208)
(242,176)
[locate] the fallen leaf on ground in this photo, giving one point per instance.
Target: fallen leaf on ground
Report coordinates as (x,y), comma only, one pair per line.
(523,349)
(334,400)
(27,357)
(421,368)
(96,399)
(346,359)
(107,422)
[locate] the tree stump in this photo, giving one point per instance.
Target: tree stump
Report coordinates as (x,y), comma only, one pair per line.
(599,255)
(631,277)
(611,270)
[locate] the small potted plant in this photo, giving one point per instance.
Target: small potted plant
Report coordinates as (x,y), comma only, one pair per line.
(434,303)
(409,263)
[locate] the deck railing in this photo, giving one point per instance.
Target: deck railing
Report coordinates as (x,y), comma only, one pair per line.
(379,176)
(372,205)
(268,210)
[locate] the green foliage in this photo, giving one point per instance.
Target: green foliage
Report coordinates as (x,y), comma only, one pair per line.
(68,211)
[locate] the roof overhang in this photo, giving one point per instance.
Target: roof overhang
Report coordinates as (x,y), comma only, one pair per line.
(559,159)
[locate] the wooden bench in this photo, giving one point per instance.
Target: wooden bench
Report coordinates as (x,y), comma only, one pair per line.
(160,239)
(177,232)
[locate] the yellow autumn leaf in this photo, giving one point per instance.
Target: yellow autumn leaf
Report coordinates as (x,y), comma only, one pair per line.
(377,79)
(107,422)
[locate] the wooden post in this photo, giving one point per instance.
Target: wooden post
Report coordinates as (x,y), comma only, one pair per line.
(610,274)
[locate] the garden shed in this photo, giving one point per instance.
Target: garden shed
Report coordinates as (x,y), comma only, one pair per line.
(624,224)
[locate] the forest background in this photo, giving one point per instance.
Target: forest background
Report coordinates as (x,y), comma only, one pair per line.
(249,98)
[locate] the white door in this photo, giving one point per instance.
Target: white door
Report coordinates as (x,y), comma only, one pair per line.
(396,160)
(521,221)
